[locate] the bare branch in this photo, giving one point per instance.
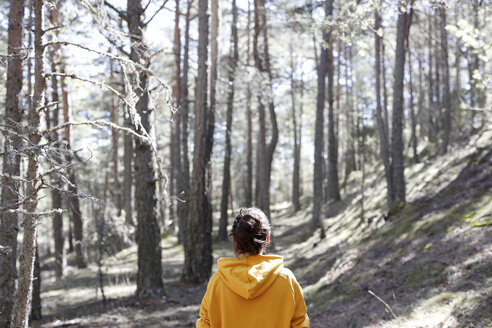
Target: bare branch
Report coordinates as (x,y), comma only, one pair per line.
(382,301)
(119,12)
(100,124)
(156,12)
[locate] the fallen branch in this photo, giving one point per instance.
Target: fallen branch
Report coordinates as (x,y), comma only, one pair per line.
(382,301)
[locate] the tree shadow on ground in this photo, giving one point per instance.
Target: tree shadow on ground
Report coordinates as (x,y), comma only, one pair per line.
(414,258)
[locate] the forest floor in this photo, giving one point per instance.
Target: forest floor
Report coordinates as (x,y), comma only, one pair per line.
(430,265)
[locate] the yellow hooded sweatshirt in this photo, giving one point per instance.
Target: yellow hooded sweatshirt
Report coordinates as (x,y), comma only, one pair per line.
(253,292)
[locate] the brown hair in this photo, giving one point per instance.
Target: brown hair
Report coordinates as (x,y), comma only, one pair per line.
(250,230)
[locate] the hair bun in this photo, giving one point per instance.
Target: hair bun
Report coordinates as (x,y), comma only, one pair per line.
(250,230)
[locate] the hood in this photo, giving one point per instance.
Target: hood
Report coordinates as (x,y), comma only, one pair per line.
(250,276)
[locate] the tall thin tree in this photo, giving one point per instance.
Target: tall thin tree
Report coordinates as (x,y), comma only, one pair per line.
(381,125)
(446,98)
(265,150)
(23,293)
(198,240)
(316,219)
(9,225)
(397,159)
(149,275)
(226,180)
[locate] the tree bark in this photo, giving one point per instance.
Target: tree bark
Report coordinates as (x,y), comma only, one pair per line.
(9,221)
(198,241)
(36,313)
(226,182)
(381,126)
(23,294)
(397,126)
(149,275)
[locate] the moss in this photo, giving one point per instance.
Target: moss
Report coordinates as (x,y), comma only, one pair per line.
(399,252)
(429,246)
(481,222)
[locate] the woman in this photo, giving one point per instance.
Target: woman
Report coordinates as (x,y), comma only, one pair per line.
(252,290)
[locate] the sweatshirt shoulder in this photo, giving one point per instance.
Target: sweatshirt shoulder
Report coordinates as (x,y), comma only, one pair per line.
(214,280)
(288,276)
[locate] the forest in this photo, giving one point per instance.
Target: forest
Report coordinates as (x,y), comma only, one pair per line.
(133,132)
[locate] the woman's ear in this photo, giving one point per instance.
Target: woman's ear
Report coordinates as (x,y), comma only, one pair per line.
(268,239)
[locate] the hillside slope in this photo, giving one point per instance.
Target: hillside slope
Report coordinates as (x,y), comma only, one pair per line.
(431,264)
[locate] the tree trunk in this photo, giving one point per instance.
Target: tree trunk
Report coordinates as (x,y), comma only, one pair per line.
(248,199)
(437,71)
(23,293)
(333,190)
(446,100)
(413,119)
(297,144)
(432,104)
(316,220)
(385,90)
(74,207)
(149,275)
(397,126)
(349,121)
(265,150)
(198,241)
(116,189)
(226,182)
(9,221)
(175,183)
(56,199)
(381,126)
(128,172)
(36,313)
(184,186)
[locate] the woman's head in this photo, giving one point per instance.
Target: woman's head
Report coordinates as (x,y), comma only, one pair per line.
(250,231)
